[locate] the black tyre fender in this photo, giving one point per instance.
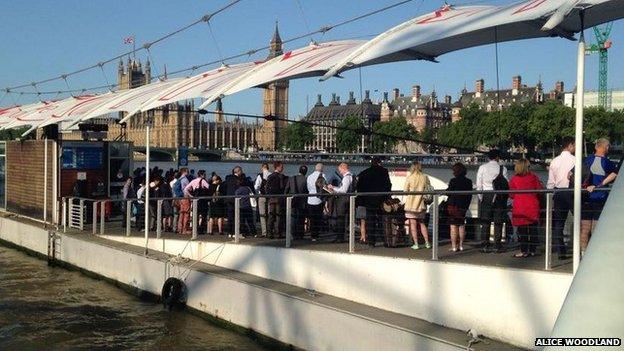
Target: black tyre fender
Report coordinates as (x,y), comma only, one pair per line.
(173,293)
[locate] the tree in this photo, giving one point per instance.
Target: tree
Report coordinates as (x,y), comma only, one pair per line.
(395,132)
(349,138)
(549,124)
(296,135)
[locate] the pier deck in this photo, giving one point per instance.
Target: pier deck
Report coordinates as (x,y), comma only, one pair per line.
(471,254)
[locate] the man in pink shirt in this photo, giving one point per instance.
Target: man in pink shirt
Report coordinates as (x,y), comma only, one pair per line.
(559,178)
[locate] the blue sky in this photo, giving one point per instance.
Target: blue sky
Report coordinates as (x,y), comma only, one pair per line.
(41,39)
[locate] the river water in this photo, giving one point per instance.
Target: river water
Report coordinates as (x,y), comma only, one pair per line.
(50,308)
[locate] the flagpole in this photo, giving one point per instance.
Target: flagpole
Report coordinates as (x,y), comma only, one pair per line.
(133,48)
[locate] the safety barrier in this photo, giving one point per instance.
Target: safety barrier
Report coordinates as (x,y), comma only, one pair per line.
(294,227)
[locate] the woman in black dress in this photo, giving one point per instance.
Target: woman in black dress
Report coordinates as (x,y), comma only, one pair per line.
(217,205)
(457,205)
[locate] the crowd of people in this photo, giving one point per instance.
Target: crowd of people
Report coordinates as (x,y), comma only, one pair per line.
(317,208)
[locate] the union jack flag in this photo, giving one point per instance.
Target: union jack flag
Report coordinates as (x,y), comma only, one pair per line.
(128,40)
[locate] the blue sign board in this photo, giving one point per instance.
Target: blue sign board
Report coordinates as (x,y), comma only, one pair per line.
(182,156)
(82,157)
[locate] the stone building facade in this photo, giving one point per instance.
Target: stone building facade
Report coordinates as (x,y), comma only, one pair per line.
(179,124)
(333,114)
(491,100)
(419,110)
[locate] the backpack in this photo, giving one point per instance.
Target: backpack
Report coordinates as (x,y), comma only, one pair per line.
(263,184)
(428,198)
(274,184)
(200,191)
(177,188)
(500,183)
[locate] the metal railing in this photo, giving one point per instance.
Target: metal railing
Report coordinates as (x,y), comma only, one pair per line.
(103,211)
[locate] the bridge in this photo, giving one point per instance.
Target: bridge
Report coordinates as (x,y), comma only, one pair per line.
(170,154)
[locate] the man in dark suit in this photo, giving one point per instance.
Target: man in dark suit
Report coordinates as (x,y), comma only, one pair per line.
(298,185)
(276,184)
(373,179)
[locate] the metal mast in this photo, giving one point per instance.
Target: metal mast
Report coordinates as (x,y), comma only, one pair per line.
(602,46)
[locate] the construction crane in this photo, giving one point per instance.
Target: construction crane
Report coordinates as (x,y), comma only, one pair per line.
(601,47)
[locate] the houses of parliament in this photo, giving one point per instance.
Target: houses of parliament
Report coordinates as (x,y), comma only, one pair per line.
(180,125)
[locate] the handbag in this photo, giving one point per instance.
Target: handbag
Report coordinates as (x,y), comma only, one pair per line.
(428,198)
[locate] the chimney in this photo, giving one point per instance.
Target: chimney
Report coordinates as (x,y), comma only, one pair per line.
(517,83)
(395,93)
(447,99)
(333,102)
(480,86)
(351,99)
(319,101)
(385,96)
(416,92)
(338,99)
(559,87)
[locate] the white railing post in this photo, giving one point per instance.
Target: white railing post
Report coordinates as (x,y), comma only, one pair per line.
(289,221)
(159,218)
(128,217)
(194,214)
(351,224)
(94,223)
(237,220)
(82,213)
(548,249)
(64,207)
(436,227)
(102,216)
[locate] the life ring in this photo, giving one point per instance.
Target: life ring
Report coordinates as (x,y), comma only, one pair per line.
(173,293)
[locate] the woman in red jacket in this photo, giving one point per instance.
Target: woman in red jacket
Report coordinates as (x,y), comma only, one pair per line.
(525,213)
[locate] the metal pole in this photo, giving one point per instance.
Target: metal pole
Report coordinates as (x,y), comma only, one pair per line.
(147,181)
(159,218)
(95,203)
(45,179)
(580,98)
(288,221)
(102,216)
(64,215)
(548,249)
(194,214)
(436,227)
(237,220)
(82,213)
(351,224)
(128,217)
(55,183)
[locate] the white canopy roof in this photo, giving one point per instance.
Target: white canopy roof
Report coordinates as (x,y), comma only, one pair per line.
(201,85)
(425,37)
(453,28)
(312,60)
(32,114)
(128,100)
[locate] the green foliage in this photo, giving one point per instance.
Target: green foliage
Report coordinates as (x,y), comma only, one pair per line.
(295,136)
(348,140)
(397,130)
(12,134)
(535,127)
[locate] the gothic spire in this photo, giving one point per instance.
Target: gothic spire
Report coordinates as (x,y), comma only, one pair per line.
(276,36)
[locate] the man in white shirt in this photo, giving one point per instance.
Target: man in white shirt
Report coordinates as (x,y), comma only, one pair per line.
(492,211)
(341,204)
(260,188)
(315,203)
(559,178)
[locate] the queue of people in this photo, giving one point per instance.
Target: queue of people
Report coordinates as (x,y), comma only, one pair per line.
(318,209)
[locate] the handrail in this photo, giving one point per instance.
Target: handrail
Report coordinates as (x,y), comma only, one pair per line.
(359,194)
